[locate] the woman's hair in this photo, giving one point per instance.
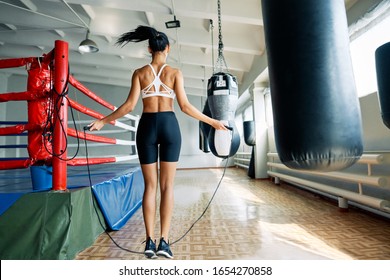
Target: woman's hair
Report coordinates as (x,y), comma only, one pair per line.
(158,41)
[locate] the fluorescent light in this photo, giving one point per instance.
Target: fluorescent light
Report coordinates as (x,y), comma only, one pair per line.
(173,24)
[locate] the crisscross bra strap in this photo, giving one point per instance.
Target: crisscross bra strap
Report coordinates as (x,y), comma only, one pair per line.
(160,89)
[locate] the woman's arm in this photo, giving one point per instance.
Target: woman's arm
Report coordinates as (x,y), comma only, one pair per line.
(125,108)
(187,108)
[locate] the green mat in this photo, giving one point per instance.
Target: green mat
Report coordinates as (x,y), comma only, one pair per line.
(50,225)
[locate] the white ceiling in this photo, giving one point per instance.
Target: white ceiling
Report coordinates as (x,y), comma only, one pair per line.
(30,27)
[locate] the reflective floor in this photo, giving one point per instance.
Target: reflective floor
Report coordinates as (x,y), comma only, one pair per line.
(253,219)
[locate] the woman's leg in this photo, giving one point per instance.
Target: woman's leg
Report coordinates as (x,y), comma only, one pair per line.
(150,174)
(167,177)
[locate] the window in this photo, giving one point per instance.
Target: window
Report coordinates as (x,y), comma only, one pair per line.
(364,46)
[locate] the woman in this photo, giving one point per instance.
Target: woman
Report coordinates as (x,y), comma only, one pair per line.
(158,84)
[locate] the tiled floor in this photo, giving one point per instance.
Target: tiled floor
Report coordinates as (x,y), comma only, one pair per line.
(253,219)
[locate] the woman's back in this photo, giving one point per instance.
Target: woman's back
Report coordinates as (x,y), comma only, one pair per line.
(164,101)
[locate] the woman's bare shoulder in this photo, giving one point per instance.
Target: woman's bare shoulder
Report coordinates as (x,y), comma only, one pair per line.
(142,69)
(142,72)
(174,71)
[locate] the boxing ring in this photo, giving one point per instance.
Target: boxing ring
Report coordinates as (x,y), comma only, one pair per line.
(53,205)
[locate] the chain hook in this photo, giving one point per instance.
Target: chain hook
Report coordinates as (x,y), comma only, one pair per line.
(221,62)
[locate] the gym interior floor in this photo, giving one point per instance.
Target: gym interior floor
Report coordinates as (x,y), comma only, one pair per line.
(253,219)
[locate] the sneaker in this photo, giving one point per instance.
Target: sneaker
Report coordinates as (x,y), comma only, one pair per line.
(150,249)
(164,250)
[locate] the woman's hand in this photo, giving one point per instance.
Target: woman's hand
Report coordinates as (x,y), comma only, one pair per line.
(96,125)
(218,125)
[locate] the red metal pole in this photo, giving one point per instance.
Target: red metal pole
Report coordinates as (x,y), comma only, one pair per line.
(15,62)
(60,116)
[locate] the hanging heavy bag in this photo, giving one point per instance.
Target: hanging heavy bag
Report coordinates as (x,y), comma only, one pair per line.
(382,60)
(222,97)
(249,133)
(250,140)
(204,130)
(316,110)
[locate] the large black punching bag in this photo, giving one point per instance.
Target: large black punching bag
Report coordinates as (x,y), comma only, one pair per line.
(222,97)
(382,60)
(316,110)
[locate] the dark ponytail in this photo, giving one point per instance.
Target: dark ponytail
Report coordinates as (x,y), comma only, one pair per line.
(158,41)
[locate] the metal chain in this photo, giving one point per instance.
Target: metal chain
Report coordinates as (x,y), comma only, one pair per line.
(212,43)
(220,45)
(221,62)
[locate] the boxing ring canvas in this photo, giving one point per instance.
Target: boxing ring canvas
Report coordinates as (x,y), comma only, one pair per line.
(57,225)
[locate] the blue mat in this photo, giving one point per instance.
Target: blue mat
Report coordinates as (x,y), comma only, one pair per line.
(120,197)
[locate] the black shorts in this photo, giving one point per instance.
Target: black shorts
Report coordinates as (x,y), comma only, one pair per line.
(158,130)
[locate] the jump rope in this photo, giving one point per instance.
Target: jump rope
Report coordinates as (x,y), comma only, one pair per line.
(171,243)
(47,134)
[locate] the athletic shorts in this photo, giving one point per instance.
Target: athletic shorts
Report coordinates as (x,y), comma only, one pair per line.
(158,134)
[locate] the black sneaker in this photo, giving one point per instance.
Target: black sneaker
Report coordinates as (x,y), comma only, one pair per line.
(164,250)
(150,249)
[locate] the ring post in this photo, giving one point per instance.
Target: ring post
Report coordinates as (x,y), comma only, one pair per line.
(60,117)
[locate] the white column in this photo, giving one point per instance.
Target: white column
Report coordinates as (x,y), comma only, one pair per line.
(259,116)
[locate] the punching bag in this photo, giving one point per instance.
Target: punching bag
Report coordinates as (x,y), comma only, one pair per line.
(222,97)
(382,60)
(316,110)
(250,140)
(204,130)
(249,133)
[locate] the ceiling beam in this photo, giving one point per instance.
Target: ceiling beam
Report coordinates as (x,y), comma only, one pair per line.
(150,18)
(89,11)
(29,5)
